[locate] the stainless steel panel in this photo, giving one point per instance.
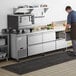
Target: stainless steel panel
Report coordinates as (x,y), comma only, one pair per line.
(35,49)
(49,36)
(22,53)
(61,44)
(21,42)
(49,46)
(34,39)
(18,46)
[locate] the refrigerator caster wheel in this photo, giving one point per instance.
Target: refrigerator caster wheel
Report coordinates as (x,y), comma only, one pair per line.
(43,54)
(17,60)
(6,59)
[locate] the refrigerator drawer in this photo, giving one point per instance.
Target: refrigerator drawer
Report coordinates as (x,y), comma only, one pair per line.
(34,49)
(34,39)
(50,46)
(49,36)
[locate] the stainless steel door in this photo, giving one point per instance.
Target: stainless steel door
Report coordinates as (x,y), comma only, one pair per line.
(21,46)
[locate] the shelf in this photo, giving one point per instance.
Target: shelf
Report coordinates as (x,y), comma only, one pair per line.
(60,38)
(39,16)
(2,55)
(33,10)
(2,58)
(60,35)
(2,46)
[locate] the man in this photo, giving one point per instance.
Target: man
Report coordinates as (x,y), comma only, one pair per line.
(71,22)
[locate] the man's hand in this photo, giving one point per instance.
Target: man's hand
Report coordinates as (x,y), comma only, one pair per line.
(67,27)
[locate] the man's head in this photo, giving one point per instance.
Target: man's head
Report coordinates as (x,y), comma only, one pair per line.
(68,9)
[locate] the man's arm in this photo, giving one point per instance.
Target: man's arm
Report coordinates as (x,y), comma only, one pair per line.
(68,25)
(69,19)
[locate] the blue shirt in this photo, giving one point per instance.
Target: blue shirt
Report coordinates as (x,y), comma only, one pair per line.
(71,17)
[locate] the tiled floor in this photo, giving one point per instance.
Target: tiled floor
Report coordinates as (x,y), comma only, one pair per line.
(64,69)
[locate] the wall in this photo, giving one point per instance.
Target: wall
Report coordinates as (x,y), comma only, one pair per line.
(56,10)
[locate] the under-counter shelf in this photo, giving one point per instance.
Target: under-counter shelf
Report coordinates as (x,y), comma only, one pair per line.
(2,55)
(1,46)
(60,35)
(4,46)
(60,40)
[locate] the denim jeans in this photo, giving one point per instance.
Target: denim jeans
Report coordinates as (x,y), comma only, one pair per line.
(74,46)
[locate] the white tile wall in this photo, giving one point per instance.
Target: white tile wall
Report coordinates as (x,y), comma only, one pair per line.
(55,13)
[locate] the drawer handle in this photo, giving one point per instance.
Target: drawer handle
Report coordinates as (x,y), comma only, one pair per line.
(21,48)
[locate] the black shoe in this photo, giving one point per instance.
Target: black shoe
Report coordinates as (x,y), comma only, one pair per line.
(71,53)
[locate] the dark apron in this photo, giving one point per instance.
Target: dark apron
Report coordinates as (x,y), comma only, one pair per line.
(73,31)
